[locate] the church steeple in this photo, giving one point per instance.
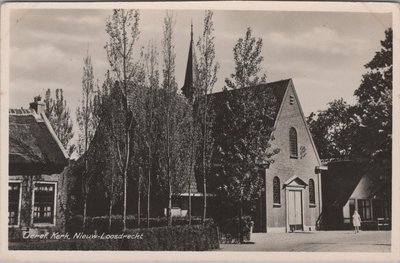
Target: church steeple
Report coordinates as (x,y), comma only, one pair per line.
(188,86)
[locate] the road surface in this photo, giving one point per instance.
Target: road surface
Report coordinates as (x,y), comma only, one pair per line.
(320,241)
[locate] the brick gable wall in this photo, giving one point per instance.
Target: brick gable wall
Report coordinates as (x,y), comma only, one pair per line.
(286,167)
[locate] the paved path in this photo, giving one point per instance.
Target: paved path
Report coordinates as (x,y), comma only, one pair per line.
(324,241)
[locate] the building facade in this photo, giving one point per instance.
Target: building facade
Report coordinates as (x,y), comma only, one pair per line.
(36,186)
(291,199)
(293,181)
(347,187)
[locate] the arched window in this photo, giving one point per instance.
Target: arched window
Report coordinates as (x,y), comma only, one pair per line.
(311,189)
(293,143)
(276,190)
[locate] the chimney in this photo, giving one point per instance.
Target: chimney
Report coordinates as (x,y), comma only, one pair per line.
(37,105)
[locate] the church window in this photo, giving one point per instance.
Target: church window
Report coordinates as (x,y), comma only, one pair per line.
(277,191)
(311,189)
(293,143)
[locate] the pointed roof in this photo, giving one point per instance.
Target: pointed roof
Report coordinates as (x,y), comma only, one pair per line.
(340,181)
(278,89)
(188,86)
(33,145)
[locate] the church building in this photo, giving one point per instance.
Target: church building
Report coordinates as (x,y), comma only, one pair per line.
(291,199)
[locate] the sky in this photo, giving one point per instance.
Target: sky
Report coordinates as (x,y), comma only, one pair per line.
(323,52)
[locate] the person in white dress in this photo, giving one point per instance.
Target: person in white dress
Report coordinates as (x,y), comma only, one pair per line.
(356,221)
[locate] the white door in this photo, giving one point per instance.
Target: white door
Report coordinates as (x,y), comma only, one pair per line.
(295,210)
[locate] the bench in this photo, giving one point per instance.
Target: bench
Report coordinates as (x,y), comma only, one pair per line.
(382,222)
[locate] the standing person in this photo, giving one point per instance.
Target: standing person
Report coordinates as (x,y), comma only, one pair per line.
(356,221)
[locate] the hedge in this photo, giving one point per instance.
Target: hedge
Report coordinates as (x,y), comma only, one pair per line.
(100,224)
(14,233)
(177,238)
(231,226)
(188,238)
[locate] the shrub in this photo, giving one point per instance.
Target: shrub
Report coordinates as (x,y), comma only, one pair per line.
(192,238)
(231,226)
(100,224)
(14,234)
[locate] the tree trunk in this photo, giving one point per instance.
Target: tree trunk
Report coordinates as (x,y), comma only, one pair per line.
(169,218)
(149,190)
(190,200)
(150,141)
(84,211)
(110,214)
(240,221)
(191,170)
(205,161)
(127,157)
(138,205)
(127,138)
(86,179)
(169,215)
(124,212)
(204,198)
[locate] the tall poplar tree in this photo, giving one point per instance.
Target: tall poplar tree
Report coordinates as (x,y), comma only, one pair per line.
(207,69)
(153,79)
(169,86)
(245,124)
(123,31)
(87,125)
(175,115)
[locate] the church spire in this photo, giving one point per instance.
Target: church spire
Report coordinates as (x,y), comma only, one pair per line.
(188,86)
(191,31)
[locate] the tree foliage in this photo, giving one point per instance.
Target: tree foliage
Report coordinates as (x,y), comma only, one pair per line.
(87,125)
(123,31)
(363,132)
(333,130)
(244,127)
(204,116)
(58,113)
(174,117)
(374,108)
(248,59)
(85,113)
(153,85)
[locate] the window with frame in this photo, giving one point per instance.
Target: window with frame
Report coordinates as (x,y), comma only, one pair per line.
(364,208)
(14,194)
(311,189)
(276,185)
(43,209)
(293,143)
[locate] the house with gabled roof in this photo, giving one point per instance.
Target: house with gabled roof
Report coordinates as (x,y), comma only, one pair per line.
(291,200)
(36,189)
(348,186)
